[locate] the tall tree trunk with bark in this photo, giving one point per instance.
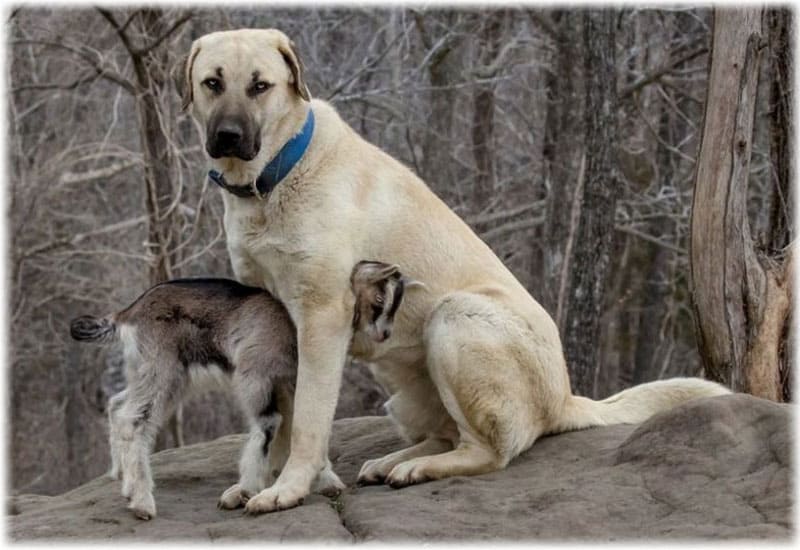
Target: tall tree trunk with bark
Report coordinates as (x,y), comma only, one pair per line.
(150,61)
(443,70)
(593,240)
(490,36)
(741,296)
(561,159)
(780,22)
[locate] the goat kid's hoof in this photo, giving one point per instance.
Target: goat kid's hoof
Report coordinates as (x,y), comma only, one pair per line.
(144,507)
(272,500)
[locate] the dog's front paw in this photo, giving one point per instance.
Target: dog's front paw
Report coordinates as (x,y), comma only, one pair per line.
(273,499)
(233,497)
(408,473)
(143,506)
(373,472)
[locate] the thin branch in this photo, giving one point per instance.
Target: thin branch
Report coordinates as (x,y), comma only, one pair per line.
(129,20)
(649,238)
(658,73)
(504,214)
(545,24)
(512,227)
(124,38)
(95,64)
(70,86)
(78,237)
(365,67)
(166,34)
(98,173)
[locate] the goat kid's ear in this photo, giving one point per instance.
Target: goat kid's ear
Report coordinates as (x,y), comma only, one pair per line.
(409,283)
(383,273)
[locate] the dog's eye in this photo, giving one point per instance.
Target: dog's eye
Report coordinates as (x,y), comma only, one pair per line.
(261,87)
(213,84)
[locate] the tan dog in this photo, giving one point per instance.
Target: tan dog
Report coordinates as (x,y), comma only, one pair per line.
(474,365)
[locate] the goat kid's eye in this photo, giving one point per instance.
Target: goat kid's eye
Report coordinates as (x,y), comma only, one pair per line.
(213,84)
(376,312)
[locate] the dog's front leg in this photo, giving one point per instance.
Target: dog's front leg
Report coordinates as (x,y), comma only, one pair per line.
(323,335)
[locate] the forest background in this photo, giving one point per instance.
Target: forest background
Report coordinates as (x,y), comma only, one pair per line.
(567,139)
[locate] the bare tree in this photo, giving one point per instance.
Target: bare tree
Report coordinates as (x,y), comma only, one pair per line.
(740,294)
(592,247)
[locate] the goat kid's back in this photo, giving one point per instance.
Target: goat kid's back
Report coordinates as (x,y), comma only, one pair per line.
(201,309)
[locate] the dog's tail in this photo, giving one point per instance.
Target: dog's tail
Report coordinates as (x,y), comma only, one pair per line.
(636,404)
(92,329)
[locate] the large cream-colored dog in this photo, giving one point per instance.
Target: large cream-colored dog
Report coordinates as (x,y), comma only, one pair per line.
(474,365)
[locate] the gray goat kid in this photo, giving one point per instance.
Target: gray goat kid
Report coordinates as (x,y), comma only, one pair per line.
(182,330)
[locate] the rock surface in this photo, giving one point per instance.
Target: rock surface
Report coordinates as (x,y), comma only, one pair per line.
(712,468)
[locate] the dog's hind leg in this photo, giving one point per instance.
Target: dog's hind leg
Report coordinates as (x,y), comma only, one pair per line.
(421,418)
(375,471)
(486,366)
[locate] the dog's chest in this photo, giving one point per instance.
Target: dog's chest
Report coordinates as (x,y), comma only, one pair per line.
(258,237)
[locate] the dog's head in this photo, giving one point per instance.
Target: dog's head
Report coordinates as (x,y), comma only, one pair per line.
(242,86)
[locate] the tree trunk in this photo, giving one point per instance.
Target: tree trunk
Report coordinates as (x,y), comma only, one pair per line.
(782,127)
(153,85)
(561,157)
(740,296)
(438,166)
(595,231)
(483,113)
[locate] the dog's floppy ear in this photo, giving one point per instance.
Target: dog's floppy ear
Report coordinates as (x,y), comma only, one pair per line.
(182,77)
(287,50)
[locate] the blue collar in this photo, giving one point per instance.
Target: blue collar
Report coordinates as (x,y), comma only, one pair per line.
(276,169)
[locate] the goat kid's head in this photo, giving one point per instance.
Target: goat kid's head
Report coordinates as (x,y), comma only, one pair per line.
(379,288)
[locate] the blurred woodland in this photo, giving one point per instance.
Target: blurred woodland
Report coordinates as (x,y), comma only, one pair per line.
(569,141)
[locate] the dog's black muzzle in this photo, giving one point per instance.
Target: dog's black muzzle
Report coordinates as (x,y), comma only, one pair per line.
(232,137)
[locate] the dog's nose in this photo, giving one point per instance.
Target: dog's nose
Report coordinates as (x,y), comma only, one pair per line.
(229,136)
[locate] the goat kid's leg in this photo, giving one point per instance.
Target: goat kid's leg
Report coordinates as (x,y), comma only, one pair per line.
(176,426)
(150,400)
(114,404)
(263,405)
(252,464)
